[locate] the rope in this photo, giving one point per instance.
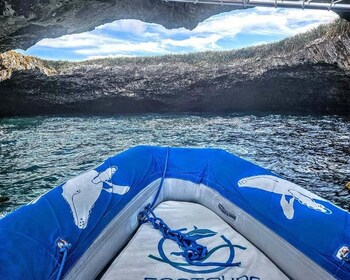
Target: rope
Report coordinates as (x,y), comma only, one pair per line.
(193,252)
(63,247)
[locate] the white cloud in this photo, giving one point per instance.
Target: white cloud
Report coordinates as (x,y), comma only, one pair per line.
(133,37)
(125,25)
(264,21)
(121,48)
(108,55)
(195,43)
(74,41)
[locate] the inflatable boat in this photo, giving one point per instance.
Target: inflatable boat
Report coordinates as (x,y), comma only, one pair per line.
(158,213)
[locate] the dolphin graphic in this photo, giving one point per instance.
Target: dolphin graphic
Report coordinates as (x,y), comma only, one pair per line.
(82,192)
(197,234)
(285,188)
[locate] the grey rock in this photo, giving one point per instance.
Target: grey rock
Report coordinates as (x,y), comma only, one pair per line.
(23,23)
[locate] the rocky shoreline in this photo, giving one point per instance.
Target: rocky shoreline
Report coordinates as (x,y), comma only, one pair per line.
(309,73)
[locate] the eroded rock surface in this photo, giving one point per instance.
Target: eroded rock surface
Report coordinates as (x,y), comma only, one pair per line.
(307,73)
(23,23)
(11,61)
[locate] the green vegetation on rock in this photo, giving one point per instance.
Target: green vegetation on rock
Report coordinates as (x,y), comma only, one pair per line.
(289,45)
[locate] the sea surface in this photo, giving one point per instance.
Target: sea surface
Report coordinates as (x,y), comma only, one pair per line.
(38,153)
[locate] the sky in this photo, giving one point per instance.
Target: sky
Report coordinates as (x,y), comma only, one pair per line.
(226,31)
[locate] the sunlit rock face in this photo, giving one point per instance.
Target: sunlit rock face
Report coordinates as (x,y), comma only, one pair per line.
(12,61)
(23,23)
(307,73)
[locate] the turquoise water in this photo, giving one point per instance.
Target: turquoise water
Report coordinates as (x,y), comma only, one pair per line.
(39,153)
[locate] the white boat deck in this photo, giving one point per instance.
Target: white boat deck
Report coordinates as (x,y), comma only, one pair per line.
(149,257)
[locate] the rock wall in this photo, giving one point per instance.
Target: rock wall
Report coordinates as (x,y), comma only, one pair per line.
(307,73)
(12,61)
(23,23)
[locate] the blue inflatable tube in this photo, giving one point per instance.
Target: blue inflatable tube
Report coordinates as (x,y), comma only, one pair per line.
(55,235)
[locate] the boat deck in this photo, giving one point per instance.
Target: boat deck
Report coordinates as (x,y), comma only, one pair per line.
(148,256)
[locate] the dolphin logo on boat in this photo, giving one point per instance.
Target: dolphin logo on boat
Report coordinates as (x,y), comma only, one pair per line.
(285,188)
(197,233)
(82,192)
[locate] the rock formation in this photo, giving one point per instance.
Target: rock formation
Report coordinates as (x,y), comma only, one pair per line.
(307,73)
(23,23)
(12,61)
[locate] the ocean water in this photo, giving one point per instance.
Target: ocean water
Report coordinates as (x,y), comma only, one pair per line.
(36,154)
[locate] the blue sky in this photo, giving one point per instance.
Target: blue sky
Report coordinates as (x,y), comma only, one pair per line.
(226,31)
